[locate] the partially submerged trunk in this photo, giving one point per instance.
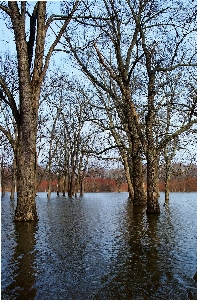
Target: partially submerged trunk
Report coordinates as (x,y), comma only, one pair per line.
(138,176)
(49,187)
(29,94)
(26,168)
(58,185)
(71,185)
(64,186)
(135,165)
(152,161)
(81,184)
(152,183)
(167,179)
(32,67)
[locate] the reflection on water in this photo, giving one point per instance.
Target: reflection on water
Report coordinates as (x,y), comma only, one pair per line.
(100,247)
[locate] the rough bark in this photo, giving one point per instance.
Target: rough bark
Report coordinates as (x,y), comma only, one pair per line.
(136,149)
(152,183)
(167,179)
(152,156)
(138,176)
(26,206)
(13,187)
(128,174)
(29,92)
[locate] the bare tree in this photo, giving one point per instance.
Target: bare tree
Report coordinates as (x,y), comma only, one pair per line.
(136,43)
(33,63)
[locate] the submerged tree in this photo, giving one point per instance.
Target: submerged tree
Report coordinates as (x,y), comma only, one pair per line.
(33,57)
(135,43)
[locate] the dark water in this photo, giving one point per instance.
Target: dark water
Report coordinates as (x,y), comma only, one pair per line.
(100,247)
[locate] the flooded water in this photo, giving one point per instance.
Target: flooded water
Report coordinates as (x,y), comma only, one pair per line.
(100,247)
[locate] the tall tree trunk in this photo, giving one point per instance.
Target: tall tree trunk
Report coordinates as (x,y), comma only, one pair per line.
(138,176)
(128,174)
(49,186)
(64,185)
(131,118)
(152,157)
(32,67)
(167,179)
(13,187)
(152,183)
(26,205)
(58,185)
(70,185)
(2,178)
(82,186)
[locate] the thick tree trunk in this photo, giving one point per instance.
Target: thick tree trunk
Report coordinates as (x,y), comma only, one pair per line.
(26,205)
(70,186)
(31,71)
(138,176)
(139,196)
(29,93)
(152,183)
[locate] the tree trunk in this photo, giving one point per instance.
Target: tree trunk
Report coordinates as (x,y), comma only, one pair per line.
(32,67)
(167,179)
(26,205)
(70,185)
(139,197)
(82,186)
(64,186)
(2,178)
(29,93)
(58,185)
(138,176)
(128,174)
(49,188)
(13,187)
(152,183)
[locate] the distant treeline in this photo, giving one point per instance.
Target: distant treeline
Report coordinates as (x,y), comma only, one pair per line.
(183,179)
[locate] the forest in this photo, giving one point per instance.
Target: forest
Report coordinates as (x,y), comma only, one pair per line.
(98,96)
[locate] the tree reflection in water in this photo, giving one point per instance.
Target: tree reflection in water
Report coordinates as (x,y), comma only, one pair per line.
(146,266)
(22,286)
(101,247)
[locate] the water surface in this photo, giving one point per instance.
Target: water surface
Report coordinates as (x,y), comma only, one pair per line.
(100,247)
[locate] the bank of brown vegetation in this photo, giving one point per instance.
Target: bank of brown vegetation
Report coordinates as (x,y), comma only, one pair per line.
(183,179)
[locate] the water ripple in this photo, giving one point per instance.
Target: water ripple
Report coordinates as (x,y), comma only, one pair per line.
(101,247)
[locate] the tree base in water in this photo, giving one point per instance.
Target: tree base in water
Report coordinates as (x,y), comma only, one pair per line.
(25,216)
(141,202)
(153,207)
(153,210)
